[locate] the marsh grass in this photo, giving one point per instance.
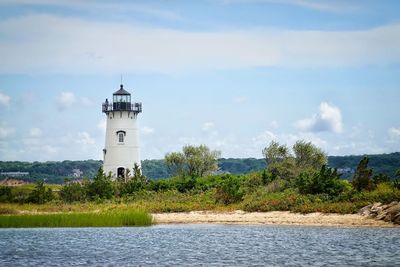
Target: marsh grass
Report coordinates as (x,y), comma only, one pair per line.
(105,219)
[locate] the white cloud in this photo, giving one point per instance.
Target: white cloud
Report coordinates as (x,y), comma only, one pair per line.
(85,139)
(264,138)
(147,130)
(330,6)
(394,134)
(35,132)
(71,45)
(329,119)
(4,99)
(289,139)
(6,131)
(69,99)
(66,100)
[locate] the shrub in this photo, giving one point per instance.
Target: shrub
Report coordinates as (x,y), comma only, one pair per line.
(380,178)
(185,184)
(40,194)
(101,187)
(73,191)
(328,207)
(362,178)
(229,191)
(384,193)
(267,177)
(396,183)
(264,201)
(325,182)
(277,185)
(252,181)
(161,185)
(6,194)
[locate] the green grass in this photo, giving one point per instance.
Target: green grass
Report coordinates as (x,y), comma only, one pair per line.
(106,219)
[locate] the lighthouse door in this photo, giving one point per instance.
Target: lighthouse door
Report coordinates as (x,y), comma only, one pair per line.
(121,172)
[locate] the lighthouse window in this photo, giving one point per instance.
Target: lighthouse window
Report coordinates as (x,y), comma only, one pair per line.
(121,137)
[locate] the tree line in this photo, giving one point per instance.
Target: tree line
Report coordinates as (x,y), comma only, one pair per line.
(56,172)
(295,178)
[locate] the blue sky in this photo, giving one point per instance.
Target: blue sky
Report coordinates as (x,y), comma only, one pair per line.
(231,74)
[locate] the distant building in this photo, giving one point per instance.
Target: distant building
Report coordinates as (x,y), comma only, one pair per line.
(219,172)
(13,174)
(346,170)
(77,173)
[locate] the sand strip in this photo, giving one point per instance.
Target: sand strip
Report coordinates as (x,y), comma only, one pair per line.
(269,218)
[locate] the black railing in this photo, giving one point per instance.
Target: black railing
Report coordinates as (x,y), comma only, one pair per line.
(122,106)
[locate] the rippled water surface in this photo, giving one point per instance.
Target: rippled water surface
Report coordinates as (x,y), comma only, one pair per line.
(206,245)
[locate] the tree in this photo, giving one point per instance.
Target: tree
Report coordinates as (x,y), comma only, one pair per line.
(380,178)
(275,153)
(102,186)
(175,162)
(135,182)
(309,156)
(229,190)
(73,191)
(6,194)
(193,161)
(138,175)
(362,178)
(40,194)
(326,181)
(396,182)
(283,164)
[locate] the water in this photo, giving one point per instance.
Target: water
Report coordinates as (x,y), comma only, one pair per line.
(205,245)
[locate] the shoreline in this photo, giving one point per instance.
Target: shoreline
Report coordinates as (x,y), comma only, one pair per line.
(270,218)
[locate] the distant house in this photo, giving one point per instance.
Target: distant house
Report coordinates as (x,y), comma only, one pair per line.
(219,172)
(13,174)
(77,173)
(346,171)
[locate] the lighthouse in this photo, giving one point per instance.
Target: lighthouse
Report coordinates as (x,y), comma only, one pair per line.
(121,150)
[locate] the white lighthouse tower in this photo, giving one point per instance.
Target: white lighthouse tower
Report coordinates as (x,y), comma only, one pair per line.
(121,151)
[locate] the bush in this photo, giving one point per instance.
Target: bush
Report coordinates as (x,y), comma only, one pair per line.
(380,178)
(264,201)
(325,182)
(161,185)
(101,187)
(73,192)
(362,179)
(229,191)
(252,181)
(384,193)
(329,207)
(40,194)
(277,185)
(6,194)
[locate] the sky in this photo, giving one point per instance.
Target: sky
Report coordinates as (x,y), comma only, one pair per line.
(231,74)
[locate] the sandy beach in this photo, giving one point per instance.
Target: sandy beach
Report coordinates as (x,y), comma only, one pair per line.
(269,218)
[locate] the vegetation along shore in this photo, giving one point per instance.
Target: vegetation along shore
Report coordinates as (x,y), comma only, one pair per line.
(296,180)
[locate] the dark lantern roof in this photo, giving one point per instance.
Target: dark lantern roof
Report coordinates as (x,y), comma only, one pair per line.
(121,91)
